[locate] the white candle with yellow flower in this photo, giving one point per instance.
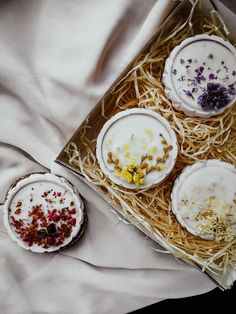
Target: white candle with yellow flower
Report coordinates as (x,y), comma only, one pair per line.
(136,148)
(204,200)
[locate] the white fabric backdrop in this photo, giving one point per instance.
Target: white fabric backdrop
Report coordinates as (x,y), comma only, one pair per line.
(57,58)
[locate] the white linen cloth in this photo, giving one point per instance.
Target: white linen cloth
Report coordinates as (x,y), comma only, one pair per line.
(57,58)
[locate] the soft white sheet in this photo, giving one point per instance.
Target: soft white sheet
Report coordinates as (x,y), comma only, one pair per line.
(57,58)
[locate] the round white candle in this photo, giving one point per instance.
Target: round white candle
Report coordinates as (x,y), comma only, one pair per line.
(191,66)
(205,189)
(129,136)
(30,192)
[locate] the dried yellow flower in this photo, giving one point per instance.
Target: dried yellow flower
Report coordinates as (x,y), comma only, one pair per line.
(125,174)
(133,174)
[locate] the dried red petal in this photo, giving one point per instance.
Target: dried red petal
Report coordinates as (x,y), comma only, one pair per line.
(72,211)
(18,211)
(59,242)
(19,204)
(55,217)
(50,240)
(72,221)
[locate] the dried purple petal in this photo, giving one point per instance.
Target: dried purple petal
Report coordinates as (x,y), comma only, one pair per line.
(174,71)
(222,62)
(200,77)
(194,89)
(234,73)
(193,82)
(182,61)
(188,93)
(182,78)
(212,76)
(199,70)
(226,69)
(210,56)
(232,89)
(190,60)
(215,96)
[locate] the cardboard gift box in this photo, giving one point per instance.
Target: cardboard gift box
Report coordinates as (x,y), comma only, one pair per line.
(83,141)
